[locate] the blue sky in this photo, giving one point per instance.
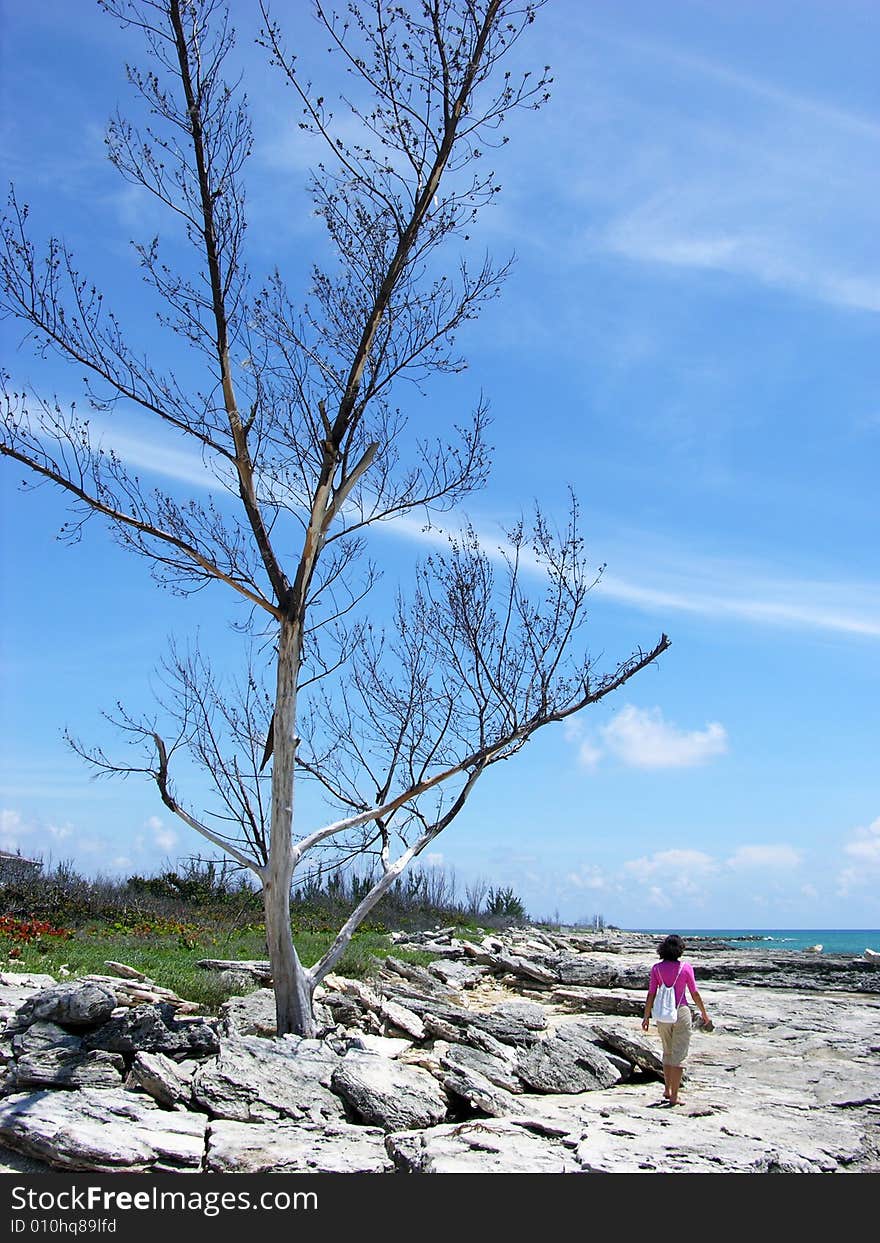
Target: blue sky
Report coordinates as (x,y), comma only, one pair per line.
(689,338)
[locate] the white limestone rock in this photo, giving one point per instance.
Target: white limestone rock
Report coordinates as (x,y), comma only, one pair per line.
(64,1067)
(106,1130)
(74,1004)
(497,1070)
(256,1080)
(568,1061)
(480,1146)
(161,1079)
(389,1094)
(284,1148)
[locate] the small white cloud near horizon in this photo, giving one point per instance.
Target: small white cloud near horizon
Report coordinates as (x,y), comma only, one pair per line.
(587,877)
(865,845)
(165,838)
(674,863)
(12,829)
(659,897)
(15,830)
(765,857)
(641,738)
(864,849)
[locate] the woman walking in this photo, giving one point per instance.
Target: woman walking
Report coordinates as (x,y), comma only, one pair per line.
(675,1036)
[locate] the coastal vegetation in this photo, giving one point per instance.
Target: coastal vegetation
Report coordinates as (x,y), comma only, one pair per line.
(62,923)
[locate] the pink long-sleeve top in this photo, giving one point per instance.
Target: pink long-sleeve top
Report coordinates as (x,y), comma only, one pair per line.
(664,972)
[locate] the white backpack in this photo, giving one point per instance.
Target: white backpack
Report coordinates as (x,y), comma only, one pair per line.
(664,1009)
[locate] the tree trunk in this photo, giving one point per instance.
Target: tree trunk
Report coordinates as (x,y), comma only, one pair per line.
(293,987)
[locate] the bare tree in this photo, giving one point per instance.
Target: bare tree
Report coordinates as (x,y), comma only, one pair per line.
(293,418)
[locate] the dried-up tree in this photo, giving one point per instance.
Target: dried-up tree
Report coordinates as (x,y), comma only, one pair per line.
(294,421)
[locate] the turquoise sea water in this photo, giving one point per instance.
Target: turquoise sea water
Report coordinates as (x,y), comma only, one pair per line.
(833,940)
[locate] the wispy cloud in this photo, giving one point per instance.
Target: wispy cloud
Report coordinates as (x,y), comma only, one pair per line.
(680,230)
(706,588)
(797,604)
(756,180)
(158,455)
(792,100)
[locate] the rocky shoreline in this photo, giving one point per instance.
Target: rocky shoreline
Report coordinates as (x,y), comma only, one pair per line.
(522,1052)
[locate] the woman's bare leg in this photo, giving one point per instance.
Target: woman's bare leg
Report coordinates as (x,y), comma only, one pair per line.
(672,1076)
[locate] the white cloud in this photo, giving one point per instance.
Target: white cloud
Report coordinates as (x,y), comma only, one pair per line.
(165,838)
(768,185)
(434,860)
(683,865)
(765,857)
(659,897)
(641,738)
(12,829)
(762,598)
(589,754)
(680,231)
(864,849)
(59,832)
(160,456)
(587,877)
(795,605)
(865,845)
(792,100)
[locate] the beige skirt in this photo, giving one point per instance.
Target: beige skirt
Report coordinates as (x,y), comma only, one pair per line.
(676,1038)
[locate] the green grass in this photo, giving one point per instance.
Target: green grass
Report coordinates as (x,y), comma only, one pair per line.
(167,951)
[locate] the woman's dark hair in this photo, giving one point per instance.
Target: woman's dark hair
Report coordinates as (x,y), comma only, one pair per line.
(671,948)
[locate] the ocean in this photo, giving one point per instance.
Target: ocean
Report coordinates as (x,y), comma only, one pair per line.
(833,940)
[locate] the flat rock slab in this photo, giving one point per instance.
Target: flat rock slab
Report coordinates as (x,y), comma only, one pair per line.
(44,1035)
(497,1070)
(629,1134)
(250,1015)
(284,1148)
(532,1016)
(29,981)
(154,1029)
(107,1130)
(255,1080)
(484,1146)
(402,1018)
(631,1047)
(599,1001)
(161,1079)
(429,982)
(506,1024)
(64,1067)
(385,1046)
(568,1061)
(457,974)
(389,1094)
(16,987)
(478,1093)
(76,1004)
